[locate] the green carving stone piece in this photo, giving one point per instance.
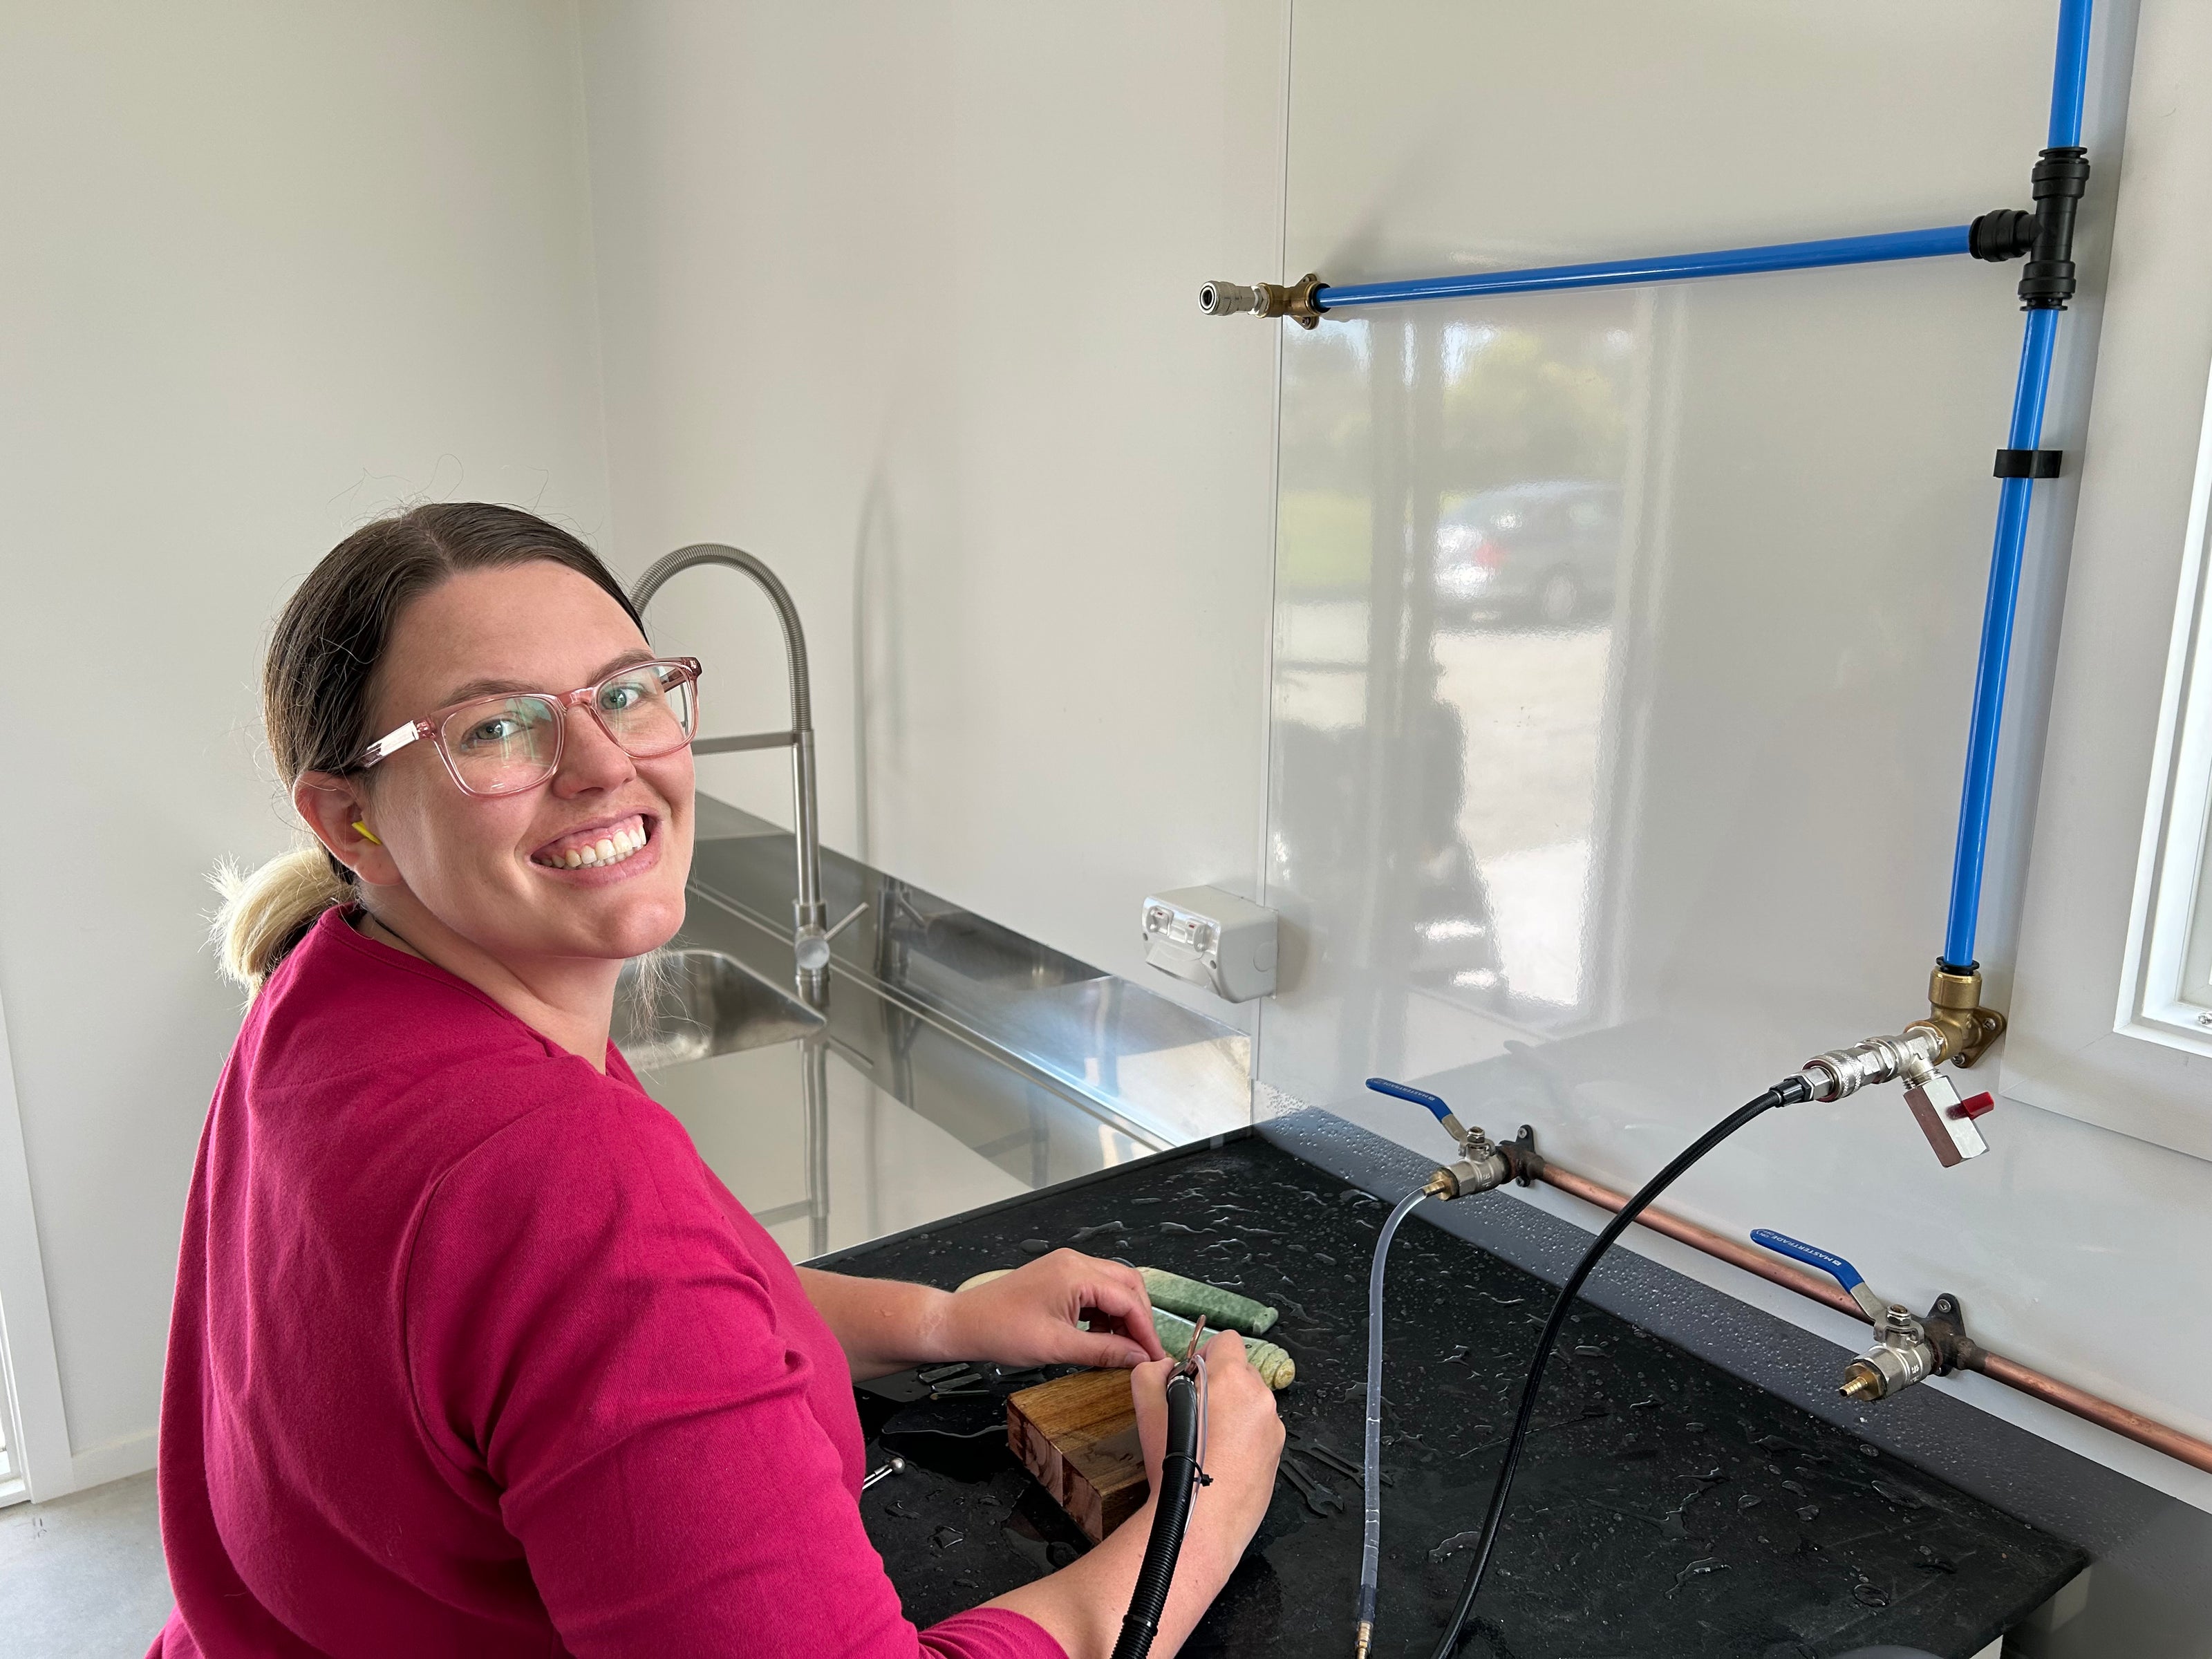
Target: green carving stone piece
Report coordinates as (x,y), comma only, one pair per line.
(1225,1310)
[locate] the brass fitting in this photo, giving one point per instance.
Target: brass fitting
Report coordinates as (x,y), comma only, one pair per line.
(1298,300)
(1964,1028)
(1862,1382)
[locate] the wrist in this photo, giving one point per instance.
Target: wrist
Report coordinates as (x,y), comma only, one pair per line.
(941,1328)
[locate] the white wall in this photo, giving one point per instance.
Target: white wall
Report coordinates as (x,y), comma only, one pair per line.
(904,300)
(271,269)
(1716,821)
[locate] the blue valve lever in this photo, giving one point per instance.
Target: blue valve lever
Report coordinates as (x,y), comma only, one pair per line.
(1384,1085)
(1834,1266)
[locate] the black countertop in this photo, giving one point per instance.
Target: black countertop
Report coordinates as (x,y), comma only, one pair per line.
(1664,1507)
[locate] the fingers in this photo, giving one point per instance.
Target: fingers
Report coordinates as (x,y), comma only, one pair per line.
(1097,1347)
(1113,1290)
(1148,1382)
(1225,1348)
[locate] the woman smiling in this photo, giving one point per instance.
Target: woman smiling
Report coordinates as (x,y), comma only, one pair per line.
(472,1355)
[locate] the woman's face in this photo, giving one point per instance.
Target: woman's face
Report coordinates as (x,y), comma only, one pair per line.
(491,868)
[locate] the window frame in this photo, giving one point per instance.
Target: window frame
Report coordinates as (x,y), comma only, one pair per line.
(2169,950)
(2071,916)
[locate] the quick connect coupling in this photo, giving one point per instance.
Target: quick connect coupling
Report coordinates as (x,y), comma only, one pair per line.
(1300,301)
(1911,1057)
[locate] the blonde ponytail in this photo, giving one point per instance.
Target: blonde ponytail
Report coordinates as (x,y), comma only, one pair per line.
(264,912)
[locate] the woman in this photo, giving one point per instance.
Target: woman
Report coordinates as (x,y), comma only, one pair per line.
(470,1354)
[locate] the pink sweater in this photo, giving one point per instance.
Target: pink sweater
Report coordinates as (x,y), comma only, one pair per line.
(473,1355)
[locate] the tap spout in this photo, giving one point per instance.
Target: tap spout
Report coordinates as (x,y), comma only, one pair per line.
(809,918)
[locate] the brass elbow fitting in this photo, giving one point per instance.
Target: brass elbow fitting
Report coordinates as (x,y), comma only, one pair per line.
(1956,1016)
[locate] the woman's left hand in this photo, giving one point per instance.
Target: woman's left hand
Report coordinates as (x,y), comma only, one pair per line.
(1029,1316)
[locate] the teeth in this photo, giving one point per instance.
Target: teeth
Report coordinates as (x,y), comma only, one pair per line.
(613,847)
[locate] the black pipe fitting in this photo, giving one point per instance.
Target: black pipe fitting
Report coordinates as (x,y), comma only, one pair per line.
(2045,236)
(2060,180)
(2004,234)
(1522,1158)
(1946,1328)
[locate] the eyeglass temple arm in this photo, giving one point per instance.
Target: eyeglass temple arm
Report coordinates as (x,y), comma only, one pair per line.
(391,744)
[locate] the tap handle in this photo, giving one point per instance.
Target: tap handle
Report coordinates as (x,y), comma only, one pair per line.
(1852,1280)
(1384,1085)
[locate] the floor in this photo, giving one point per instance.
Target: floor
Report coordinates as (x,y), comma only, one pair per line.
(82,1577)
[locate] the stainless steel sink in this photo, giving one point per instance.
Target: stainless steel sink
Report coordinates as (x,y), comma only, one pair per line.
(700,1003)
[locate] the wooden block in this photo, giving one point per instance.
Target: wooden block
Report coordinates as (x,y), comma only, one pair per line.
(1078,1435)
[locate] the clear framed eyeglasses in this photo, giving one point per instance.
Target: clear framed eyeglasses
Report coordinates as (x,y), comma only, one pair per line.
(506,742)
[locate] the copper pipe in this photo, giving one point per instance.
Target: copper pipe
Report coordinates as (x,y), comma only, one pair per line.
(2146,1431)
(1688,1233)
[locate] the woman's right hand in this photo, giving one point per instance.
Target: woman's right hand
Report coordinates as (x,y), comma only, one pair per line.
(1243,1442)
(1081,1605)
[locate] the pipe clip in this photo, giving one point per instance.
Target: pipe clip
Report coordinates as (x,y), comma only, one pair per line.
(2027,463)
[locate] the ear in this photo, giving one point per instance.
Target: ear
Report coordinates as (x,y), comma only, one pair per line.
(336,810)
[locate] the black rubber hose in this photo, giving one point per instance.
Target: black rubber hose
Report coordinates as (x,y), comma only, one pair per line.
(1170,1516)
(1788,1092)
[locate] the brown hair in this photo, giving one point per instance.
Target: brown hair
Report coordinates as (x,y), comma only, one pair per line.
(316,686)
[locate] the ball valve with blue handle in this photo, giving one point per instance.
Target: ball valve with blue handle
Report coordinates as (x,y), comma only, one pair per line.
(1852,1280)
(1909,1348)
(1482,1162)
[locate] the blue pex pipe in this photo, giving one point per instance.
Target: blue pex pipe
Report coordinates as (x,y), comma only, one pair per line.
(2068,83)
(2015,497)
(1663,267)
(2069,76)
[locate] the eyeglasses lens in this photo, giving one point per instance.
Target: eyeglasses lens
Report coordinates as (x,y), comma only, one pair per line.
(650,710)
(504,744)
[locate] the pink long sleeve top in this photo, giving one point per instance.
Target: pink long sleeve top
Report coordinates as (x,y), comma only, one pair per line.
(473,1355)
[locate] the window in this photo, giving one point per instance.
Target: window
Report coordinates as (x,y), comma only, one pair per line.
(2166,990)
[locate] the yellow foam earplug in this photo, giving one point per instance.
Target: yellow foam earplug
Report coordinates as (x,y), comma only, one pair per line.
(364,834)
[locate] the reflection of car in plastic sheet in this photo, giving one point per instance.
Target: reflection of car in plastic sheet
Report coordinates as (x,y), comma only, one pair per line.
(1545,551)
(1451,944)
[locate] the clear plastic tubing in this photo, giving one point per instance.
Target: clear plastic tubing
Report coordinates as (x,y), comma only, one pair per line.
(1371,1540)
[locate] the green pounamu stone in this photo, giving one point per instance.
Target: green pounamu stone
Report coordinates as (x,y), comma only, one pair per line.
(1277,1369)
(1225,1310)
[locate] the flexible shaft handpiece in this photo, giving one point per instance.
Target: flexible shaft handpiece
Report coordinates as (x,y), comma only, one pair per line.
(1182,1472)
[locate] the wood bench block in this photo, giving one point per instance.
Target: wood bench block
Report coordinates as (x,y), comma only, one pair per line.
(1078,1435)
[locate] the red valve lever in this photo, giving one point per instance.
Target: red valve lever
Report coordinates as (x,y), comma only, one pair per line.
(1974,1106)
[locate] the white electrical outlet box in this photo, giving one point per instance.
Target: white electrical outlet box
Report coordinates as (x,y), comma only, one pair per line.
(1212,939)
